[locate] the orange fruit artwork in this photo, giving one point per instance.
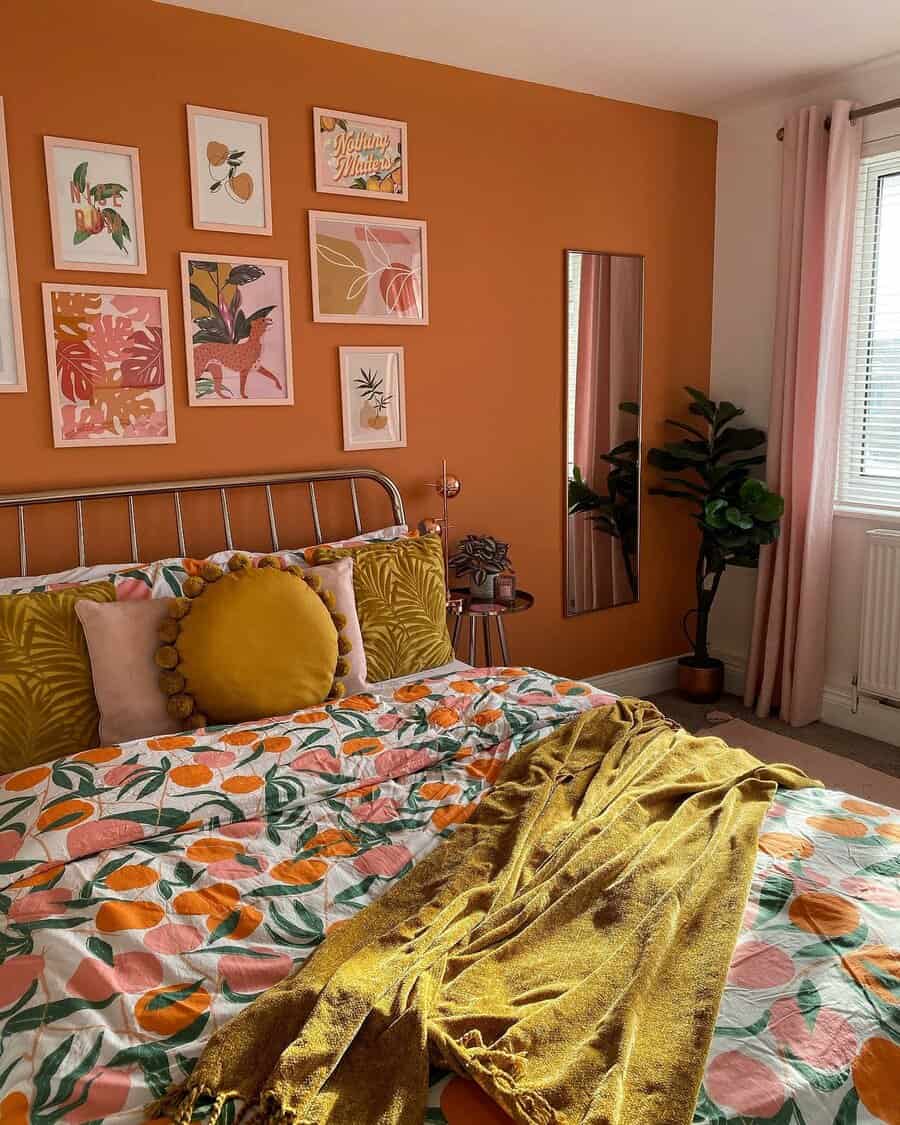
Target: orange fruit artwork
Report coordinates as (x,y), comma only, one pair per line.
(299,872)
(170,1009)
(361,746)
(783,845)
(139,915)
(130,876)
(26,779)
(876,1072)
(64,815)
(825,914)
(189,777)
(838,825)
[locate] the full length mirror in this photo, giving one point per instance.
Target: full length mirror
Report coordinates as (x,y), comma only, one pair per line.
(605,297)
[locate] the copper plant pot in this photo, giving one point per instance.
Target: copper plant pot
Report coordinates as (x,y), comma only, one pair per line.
(700,680)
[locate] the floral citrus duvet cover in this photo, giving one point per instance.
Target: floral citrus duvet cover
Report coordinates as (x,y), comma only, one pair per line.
(151,890)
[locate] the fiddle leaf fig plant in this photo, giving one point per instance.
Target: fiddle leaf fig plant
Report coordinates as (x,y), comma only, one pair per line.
(735,513)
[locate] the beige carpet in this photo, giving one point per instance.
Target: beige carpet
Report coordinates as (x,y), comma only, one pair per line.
(836,772)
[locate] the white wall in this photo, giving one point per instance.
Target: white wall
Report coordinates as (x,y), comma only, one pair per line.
(748,185)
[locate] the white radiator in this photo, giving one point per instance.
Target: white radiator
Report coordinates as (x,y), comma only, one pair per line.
(879,636)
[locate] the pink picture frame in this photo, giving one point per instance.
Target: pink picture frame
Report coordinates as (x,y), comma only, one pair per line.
(109,365)
(230,177)
(96,207)
(360,155)
(368,269)
(237,330)
(12,346)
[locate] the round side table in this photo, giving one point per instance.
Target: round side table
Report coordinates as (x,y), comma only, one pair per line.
(462,604)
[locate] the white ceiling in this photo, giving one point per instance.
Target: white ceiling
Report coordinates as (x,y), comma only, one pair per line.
(678,54)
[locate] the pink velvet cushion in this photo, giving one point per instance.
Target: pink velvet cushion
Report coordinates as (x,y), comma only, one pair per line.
(122,645)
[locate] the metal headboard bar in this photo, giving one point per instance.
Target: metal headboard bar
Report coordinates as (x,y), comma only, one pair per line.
(79,497)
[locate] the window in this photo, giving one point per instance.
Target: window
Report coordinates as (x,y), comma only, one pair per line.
(869,465)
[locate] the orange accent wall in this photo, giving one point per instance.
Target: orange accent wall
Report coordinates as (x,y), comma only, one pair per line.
(507,174)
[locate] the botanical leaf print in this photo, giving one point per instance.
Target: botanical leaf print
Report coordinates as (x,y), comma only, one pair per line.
(47,705)
(401,602)
(110,367)
(79,368)
(142,364)
(74,314)
(154,888)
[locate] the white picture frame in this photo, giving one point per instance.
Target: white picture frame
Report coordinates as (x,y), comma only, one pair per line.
(346,164)
(12,346)
(93,226)
(369,376)
(231,183)
(368,269)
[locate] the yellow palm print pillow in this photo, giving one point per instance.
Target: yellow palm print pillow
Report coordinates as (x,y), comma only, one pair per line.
(47,705)
(401,603)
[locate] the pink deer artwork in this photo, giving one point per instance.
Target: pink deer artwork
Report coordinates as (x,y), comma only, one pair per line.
(242,358)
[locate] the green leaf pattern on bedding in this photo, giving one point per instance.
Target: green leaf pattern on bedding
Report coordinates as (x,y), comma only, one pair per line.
(153,889)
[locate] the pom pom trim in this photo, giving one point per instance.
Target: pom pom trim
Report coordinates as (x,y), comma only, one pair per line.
(181,705)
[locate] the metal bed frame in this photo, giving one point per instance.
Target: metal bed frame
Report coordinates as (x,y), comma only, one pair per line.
(223,485)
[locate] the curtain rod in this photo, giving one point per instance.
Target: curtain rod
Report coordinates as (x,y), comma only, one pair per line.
(863,111)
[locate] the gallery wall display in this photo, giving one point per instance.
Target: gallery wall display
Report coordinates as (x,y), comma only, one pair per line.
(109,365)
(12,348)
(367,269)
(96,214)
(230,182)
(356,154)
(237,330)
(373,398)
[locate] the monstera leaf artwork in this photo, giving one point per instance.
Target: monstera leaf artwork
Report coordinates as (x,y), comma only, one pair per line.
(109,365)
(143,363)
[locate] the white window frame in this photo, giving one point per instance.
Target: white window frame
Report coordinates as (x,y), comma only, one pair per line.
(852,482)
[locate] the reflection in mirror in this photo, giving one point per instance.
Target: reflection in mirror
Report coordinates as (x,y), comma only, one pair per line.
(603,428)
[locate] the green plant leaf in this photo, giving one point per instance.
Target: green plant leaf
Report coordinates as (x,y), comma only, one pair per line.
(809,1002)
(725,413)
(737,518)
(688,450)
(244,274)
(630,408)
(101,192)
(81,236)
(702,404)
(259,313)
(79,176)
(736,439)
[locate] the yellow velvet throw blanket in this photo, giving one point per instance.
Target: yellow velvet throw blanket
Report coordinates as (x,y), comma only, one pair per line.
(566,949)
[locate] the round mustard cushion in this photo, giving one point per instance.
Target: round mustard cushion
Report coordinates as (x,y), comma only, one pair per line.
(255,643)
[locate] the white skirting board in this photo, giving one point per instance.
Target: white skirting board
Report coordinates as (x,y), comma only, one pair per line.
(872,719)
(641,680)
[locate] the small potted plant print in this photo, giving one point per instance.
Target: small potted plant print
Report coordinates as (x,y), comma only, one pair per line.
(482,558)
(239,185)
(373,412)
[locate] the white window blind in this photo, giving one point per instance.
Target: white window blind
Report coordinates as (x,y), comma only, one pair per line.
(869,463)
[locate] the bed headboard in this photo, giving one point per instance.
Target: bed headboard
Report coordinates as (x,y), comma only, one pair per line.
(176,488)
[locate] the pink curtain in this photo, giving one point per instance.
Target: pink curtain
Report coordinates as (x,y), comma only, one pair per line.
(819,178)
(591,554)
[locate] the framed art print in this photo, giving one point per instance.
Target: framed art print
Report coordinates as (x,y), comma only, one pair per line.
(373,398)
(109,364)
(237,329)
(229,156)
(96,215)
(357,154)
(367,269)
(12,349)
